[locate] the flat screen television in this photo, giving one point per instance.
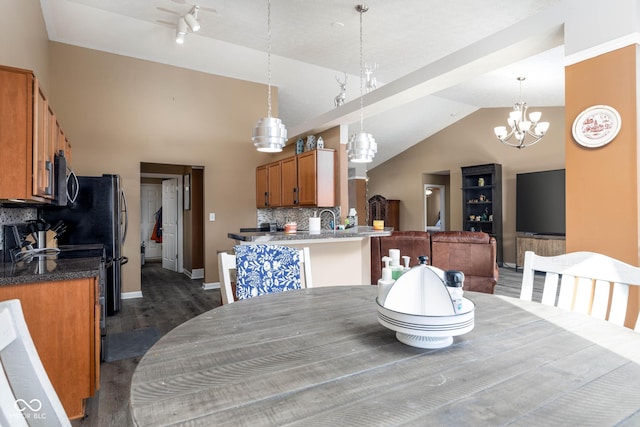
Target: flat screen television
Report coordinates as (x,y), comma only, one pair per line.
(540,202)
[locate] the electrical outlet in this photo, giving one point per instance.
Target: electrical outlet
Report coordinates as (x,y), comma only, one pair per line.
(212,216)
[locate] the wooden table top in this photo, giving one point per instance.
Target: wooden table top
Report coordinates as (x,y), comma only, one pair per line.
(319,357)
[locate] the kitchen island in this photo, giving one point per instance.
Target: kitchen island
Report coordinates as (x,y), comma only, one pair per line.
(338,257)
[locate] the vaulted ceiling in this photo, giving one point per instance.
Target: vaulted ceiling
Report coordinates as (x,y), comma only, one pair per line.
(435,61)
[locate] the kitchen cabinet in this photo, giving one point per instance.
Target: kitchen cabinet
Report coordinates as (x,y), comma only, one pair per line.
(290,181)
(482,201)
(274,176)
(64,322)
(316,178)
(44,144)
(62,144)
(262,189)
(30,133)
(307,179)
(268,185)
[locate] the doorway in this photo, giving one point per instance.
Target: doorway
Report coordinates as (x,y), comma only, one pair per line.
(435,208)
(182,216)
(162,219)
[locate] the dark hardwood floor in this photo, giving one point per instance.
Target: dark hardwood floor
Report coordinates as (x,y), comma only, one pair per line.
(170,299)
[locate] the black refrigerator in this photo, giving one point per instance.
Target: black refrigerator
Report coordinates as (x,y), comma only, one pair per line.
(98,216)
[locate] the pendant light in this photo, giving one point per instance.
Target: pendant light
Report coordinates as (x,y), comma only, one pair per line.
(270,134)
(361,147)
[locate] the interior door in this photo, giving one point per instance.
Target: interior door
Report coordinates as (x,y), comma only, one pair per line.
(151,202)
(170,224)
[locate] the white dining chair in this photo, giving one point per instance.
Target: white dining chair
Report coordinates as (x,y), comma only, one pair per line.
(227,270)
(27,397)
(590,283)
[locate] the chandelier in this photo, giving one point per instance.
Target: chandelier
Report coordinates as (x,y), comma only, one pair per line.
(522,128)
(361,147)
(270,134)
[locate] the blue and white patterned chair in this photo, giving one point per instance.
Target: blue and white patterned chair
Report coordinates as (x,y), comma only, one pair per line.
(263,269)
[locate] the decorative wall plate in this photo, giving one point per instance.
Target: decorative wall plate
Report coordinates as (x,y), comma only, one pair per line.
(596,126)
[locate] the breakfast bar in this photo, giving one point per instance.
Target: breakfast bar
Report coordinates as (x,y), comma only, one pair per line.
(338,257)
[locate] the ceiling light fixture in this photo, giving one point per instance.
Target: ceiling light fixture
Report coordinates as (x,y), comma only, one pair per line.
(520,126)
(191,19)
(361,147)
(270,134)
(181,30)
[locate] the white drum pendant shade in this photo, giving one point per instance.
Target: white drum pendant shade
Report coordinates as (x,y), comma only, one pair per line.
(362,148)
(269,135)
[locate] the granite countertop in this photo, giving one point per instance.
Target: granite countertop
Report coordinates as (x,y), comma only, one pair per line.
(265,236)
(48,269)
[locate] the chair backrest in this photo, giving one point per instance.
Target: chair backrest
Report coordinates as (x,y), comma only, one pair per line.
(27,397)
(590,283)
(227,267)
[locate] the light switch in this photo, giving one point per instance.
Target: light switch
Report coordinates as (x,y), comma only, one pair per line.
(212,216)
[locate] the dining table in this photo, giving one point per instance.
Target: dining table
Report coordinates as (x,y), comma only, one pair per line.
(320,357)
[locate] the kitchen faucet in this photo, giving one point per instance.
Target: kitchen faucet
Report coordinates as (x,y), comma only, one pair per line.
(333,214)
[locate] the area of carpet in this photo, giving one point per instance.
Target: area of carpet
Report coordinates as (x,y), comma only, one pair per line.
(125,345)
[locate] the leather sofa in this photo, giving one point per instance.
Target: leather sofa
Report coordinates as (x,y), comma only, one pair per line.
(473,253)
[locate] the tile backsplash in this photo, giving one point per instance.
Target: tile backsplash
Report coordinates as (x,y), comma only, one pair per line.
(14,216)
(297,215)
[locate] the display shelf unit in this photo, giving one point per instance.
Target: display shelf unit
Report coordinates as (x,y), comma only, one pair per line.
(482,201)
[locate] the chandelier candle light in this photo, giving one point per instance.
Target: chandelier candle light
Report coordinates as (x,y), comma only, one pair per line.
(362,146)
(270,134)
(520,126)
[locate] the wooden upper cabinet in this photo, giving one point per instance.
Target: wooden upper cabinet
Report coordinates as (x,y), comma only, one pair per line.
(262,189)
(43,123)
(30,134)
(316,178)
(16,113)
(307,179)
(274,177)
(268,186)
(290,181)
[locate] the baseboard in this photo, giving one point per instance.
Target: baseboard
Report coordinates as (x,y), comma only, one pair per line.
(131,295)
(509,265)
(210,286)
(197,273)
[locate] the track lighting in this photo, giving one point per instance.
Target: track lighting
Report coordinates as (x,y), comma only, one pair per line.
(181,31)
(191,19)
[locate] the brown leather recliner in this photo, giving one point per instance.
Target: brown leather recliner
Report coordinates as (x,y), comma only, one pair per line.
(410,243)
(473,253)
